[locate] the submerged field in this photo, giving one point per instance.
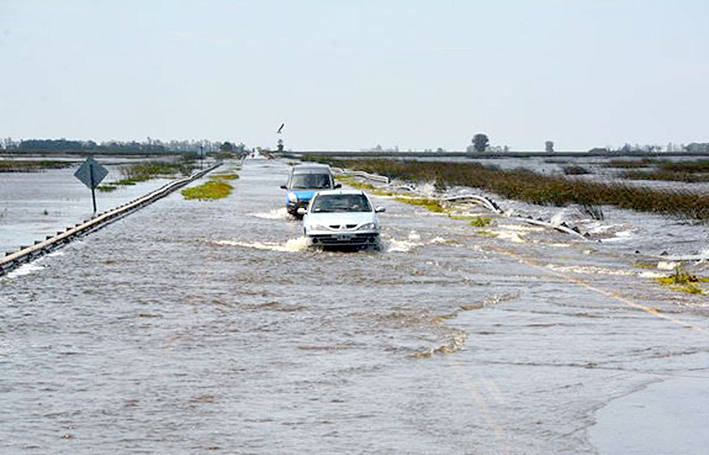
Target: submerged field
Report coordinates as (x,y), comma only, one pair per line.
(32,165)
(545,189)
(140,172)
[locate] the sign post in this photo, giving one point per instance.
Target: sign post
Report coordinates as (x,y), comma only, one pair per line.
(90,174)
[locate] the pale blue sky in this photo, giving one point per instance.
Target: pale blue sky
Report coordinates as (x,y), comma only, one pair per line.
(353,74)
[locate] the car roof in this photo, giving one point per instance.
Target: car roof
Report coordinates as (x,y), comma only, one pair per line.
(338,192)
(311,169)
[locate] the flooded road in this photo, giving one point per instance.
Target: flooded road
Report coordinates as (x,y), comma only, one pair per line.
(209,327)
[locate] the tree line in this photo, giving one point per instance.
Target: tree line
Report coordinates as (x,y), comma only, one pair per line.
(151,146)
(481,143)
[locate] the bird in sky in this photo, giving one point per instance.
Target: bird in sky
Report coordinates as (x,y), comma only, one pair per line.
(280,128)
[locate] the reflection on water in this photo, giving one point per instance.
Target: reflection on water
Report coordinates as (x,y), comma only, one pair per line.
(191,327)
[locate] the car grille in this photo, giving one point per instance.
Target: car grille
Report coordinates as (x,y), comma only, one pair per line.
(353,239)
(336,227)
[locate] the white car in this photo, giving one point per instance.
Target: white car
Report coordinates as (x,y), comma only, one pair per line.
(341,218)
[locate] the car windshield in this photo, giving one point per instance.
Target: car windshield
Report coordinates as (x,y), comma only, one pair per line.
(341,203)
(310,181)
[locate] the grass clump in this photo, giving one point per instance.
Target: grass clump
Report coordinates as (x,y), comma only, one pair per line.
(213,189)
(107,188)
(430,204)
(481,222)
(226,176)
(683,281)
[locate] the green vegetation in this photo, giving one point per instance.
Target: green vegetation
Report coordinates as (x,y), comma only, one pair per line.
(575,170)
(690,167)
(665,176)
(144,171)
(480,142)
(535,188)
(31,166)
(227,176)
(683,281)
(481,222)
(213,189)
(629,164)
(141,172)
(430,204)
(664,170)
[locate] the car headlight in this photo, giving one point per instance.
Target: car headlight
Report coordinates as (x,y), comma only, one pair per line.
(368,227)
(292,197)
(318,227)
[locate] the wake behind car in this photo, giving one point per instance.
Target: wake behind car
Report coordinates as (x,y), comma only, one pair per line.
(338,218)
(304,181)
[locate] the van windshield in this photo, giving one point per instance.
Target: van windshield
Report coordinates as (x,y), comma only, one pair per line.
(310,181)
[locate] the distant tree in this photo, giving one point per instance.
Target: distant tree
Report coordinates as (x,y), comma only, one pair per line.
(480,142)
(440,150)
(470,148)
(226,147)
(697,147)
(549,146)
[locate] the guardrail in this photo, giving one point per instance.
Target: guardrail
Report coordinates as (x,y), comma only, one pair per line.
(476,199)
(51,243)
(362,174)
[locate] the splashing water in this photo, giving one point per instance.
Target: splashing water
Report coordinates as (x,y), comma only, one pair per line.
(275,214)
(290,246)
(25,269)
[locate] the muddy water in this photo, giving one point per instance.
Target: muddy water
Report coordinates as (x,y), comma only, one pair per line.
(193,327)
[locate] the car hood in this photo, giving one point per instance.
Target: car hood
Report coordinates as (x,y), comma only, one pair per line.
(340,218)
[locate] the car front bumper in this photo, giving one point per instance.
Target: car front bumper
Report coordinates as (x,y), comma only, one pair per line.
(293,207)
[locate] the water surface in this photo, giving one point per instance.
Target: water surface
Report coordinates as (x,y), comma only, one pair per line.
(193,327)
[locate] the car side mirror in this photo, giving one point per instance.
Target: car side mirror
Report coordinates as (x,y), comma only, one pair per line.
(338,185)
(380,209)
(302,211)
(284,187)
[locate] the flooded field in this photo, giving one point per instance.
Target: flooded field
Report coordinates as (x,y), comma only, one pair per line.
(39,204)
(210,327)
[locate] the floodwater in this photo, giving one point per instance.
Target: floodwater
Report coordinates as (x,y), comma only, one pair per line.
(39,204)
(209,327)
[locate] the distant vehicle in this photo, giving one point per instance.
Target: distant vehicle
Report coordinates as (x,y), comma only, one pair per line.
(337,218)
(304,181)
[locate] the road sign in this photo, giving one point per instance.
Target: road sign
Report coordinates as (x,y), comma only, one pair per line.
(91,173)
